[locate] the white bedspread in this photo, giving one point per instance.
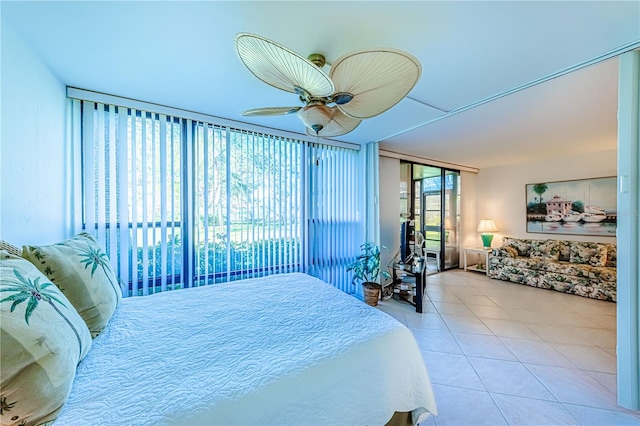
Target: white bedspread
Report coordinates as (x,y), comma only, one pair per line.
(283,349)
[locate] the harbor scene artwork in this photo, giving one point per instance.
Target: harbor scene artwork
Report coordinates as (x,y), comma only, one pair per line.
(577,207)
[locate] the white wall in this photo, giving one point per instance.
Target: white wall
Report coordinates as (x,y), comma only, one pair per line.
(32,149)
(468,216)
(501,191)
(389,208)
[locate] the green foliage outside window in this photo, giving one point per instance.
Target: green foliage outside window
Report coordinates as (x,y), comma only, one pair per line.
(243,257)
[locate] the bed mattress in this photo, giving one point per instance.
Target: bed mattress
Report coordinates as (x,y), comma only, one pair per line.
(282,349)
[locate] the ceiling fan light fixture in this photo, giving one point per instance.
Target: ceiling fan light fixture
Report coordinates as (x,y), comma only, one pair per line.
(315,116)
(340,124)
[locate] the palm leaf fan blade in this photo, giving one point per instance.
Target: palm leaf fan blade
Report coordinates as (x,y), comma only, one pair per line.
(377,78)
(269,111)
(281,67)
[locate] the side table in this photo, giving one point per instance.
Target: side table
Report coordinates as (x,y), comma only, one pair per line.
(413,278)
(484,253)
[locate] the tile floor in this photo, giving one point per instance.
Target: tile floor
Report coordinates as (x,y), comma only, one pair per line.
(501,353)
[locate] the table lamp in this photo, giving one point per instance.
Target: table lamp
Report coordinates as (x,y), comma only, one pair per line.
(448,226)
(486,227)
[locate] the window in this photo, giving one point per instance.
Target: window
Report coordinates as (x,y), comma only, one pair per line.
(247,219)
(179,202)
(335,215)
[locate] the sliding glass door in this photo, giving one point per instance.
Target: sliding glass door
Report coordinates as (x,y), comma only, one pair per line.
(430,195)
(435,214)
(451,222)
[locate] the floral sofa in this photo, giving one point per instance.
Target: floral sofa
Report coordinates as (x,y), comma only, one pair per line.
(582,268)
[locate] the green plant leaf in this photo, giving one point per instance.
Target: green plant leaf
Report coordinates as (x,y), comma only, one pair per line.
(366,267)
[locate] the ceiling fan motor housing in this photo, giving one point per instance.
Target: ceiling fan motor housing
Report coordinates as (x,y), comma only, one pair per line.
(318,59)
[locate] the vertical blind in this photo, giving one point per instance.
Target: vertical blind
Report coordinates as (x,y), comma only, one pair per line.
(247,218)
(178,202)
(335,219)
(131,179)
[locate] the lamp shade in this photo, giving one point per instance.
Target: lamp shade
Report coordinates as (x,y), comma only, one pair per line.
(487,225)
(339,124)
(448,225)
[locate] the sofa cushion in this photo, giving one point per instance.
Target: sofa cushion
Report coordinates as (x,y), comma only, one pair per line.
(567,268)
(522,263)
(565,283)
(504,251)
(564,249)
(603,273)
(593,254)
(81,269)
(42,338)
(545,250)
(522,246)
(612,256)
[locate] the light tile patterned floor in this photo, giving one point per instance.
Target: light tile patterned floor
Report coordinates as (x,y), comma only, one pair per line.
(502,353)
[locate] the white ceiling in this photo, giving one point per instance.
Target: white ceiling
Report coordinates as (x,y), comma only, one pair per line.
(181,54)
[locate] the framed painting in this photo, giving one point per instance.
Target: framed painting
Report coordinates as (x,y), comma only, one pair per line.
(575,207)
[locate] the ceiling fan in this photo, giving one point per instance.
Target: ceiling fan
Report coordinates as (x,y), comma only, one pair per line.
(360,85)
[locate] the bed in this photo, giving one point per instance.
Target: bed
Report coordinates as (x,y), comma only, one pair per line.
(282,349)
(278,350)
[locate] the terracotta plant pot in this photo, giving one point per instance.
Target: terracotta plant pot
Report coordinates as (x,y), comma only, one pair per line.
(371,293)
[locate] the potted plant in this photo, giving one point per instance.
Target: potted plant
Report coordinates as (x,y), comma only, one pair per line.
(366,269)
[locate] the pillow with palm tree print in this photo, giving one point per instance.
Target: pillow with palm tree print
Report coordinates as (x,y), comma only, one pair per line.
(81,270)
(42,338)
